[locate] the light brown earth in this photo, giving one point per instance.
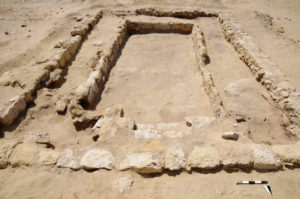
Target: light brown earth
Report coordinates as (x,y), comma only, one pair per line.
(155,79)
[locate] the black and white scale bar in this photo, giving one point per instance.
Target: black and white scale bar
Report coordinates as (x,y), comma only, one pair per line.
(252,182)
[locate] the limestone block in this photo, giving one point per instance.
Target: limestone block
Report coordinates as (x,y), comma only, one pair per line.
(51,65)
(235,155)
(67,55)
(24,154)
(91,21)
(96,159)
(12,110)
(264,158)
(206,157)
(82,90)
(68,160)
(93,90)
(143,162)
(74,44)
(59,57)
(56,78)
(175,158)
(288,153)
(48,157)
(60,106)
(78,30)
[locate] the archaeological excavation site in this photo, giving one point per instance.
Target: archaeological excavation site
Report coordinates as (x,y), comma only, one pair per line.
(149,99)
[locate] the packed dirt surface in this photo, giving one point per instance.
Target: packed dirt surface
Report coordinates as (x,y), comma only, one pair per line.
(156,80)
(149,98)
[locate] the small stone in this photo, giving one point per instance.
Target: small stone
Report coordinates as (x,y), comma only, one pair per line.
(98,43)
(79,18)
(175,158)
(68,160)
(38,137)
(199,122)
(142,162)
(61,106)
(96,159)
(7,33)
(206,157)
(98,124)
(264,159)
(24,154)
(41,61)
(48,94)
(44,106)
(123,184)
(230,135)
(23,25)
(280,30)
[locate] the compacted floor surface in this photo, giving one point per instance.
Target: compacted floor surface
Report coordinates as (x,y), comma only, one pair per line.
(156,80)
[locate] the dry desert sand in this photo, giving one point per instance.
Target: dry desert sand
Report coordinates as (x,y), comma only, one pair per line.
(149,98)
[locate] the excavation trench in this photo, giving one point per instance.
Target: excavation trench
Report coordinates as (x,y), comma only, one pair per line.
(155,78)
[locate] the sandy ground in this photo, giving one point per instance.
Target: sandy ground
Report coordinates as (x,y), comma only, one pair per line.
(156,80)
(35,183)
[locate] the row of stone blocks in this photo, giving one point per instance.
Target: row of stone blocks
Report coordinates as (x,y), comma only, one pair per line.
(185,13)
(206,158)
(209,86)
(266,72)
(57,62)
